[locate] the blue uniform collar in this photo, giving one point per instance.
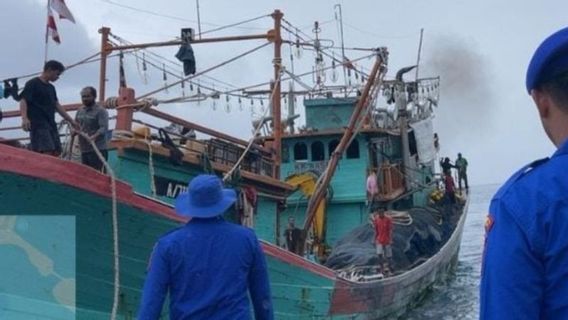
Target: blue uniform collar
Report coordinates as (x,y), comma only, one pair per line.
(195,220)
(563,149)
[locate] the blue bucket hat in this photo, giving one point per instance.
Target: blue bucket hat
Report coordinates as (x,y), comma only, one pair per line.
(549,60)
(205,198)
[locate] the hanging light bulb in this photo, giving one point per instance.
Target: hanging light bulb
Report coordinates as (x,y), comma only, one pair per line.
(165,77)
(240,104)
(262,109)
(191,86)
(251,106)
(198,95)
(228,105)
(182,87)
(298,48)
(334,76)
(144,68)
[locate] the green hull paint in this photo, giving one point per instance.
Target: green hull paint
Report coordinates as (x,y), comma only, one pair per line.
(297,293)
(94,241)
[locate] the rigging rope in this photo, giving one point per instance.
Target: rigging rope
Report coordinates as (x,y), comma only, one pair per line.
(277,83)
(159,59)
(232,92)
(290,78)
(205,71)
(71,66)
(322,50)
(235,24)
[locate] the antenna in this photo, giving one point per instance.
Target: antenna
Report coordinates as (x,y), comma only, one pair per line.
(198,19)
(338,6)
(419,52)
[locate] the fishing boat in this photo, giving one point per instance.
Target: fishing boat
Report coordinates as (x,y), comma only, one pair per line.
(84,237)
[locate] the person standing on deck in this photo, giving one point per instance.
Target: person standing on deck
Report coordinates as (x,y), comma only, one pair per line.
(38,105)
(383,239)
(446,166)
(524,271)
(450,187)
(209,267)
(293,236)
(461,165)
(93,120)
(372,187)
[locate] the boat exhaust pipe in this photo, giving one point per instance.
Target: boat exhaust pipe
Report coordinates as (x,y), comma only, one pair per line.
(402,71)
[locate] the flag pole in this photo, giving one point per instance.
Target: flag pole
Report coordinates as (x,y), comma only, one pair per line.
(46,33)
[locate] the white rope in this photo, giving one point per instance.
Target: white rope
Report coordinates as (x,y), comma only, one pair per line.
(402,218)
(128,135)
(68,143)
(116,254)
(151,165)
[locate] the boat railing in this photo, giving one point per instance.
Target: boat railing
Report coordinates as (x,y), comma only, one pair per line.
(391,180)
(228,154)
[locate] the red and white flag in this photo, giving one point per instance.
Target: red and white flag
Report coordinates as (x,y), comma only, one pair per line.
(61,8)
(52,28)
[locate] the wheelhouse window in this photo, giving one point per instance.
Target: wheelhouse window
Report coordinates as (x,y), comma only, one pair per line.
(285,153)
(331,146)
(300,151)
(353,150)
(318,152)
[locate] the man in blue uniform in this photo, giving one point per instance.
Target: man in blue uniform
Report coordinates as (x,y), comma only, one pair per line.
(525,264)
(209,266)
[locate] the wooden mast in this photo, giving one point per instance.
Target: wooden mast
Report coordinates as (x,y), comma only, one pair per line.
(276,112)
(104,31)
(375,79)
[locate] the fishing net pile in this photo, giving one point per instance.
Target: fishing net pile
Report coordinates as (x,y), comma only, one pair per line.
(412,244)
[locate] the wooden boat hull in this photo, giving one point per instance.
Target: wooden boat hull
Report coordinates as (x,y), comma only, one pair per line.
(78,201)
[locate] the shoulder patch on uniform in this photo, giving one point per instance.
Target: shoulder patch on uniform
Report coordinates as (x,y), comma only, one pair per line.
(533,165)
(518,175)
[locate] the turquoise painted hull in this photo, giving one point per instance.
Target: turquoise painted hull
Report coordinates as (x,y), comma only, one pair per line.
(41,186)
(301,293)
(88,242)
(90,239)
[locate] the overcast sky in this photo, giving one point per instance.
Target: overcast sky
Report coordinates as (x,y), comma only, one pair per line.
(479,48)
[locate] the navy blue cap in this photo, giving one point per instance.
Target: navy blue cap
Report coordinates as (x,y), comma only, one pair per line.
(549,60)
